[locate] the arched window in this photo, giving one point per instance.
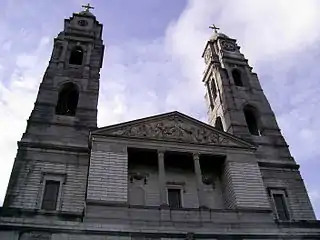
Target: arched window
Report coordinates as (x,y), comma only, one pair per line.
(218,124)
(213,89)
(76,56)
(252,119)
(137,196)
(236,74)
(67,100)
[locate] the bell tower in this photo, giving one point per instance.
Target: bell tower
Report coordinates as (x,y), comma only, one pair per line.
(237,105)
(235,99)
(66,105)
(53,152)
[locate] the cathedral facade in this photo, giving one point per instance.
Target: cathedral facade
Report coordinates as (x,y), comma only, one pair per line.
(164,177)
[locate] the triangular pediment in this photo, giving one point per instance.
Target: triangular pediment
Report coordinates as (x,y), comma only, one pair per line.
(173,126)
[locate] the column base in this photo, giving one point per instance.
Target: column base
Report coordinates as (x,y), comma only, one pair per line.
(164,206)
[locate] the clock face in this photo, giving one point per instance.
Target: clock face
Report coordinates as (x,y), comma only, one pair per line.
(228,46)
(83,23)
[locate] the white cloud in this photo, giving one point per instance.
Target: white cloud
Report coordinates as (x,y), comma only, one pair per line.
(17,95)
(272,34)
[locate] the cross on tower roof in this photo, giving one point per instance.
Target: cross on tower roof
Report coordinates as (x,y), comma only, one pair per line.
(87,7)
(214,28)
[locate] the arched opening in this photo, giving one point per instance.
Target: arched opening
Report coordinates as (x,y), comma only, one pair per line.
(68,100)
(236,74)
(213,89)
(76,56)
(218,124)
(251,116)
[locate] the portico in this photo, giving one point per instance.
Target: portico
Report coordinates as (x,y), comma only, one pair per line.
(189,168)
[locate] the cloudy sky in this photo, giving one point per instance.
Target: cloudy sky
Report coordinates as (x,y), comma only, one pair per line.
(153,61)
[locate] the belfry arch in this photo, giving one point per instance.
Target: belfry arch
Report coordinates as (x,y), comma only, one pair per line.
(67,100)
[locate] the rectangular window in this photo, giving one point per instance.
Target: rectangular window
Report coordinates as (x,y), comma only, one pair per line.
(50,196)
(280,206)
(174,198)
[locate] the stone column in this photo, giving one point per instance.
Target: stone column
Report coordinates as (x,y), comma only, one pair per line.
(197,169)
(162,179)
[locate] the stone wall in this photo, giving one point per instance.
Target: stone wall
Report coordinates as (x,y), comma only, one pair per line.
(184,180)
(290,181)
(108,173)
(33,164)
(243,186)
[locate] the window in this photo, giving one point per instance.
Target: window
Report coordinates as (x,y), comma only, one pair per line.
(251,117)
(280,206)
(67,100)
(76,56)
(218,124)
(236,74)
(174,198)
(50,196)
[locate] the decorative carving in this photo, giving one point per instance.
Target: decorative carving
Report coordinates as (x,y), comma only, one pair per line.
(208,180)
(228,46)
(182,185)
(138,176)
(173,128)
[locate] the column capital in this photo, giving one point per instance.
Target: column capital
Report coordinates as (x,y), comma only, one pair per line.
(196,156)
(161,152)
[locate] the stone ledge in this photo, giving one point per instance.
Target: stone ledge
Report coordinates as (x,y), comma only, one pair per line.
(19,212)
(289,165)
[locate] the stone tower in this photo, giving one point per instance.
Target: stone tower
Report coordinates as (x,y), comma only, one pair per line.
(55,143)
(237,105)
(236,102)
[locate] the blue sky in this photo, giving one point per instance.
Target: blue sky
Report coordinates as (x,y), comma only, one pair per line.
(153,61)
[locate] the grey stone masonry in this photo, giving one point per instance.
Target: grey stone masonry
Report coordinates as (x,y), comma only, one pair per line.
(231,99)
(74,181)
(55,146)
(290,181)
(36,165)
(223,58)
(245,183)
(108,173)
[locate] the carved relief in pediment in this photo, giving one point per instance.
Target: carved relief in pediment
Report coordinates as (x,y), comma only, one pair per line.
(173,128)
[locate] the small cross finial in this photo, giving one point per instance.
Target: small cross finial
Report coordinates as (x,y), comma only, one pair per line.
(214,28)
(87,7)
